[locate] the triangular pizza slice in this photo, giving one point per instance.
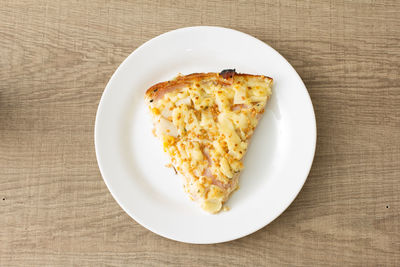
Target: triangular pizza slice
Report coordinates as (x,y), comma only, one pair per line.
(205,122)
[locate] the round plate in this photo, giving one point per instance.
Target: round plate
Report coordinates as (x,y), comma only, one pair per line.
(132,162)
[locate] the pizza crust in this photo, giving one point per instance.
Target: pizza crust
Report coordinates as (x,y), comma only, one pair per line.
(223,78)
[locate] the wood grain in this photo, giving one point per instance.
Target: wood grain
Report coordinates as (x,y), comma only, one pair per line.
(57,56)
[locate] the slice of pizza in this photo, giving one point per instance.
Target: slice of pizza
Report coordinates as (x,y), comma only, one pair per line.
(205,122)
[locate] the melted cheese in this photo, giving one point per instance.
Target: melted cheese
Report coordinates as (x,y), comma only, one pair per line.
(219,119)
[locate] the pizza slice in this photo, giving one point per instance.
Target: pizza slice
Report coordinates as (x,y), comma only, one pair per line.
(205,122)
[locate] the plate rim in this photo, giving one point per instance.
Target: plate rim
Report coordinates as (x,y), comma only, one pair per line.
(232,237)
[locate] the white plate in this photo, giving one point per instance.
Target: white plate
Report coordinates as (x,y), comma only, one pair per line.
(131,160)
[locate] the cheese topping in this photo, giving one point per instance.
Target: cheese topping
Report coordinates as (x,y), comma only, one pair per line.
(205,127)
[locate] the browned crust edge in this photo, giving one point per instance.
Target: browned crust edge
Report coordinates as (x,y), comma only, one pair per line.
(154,91)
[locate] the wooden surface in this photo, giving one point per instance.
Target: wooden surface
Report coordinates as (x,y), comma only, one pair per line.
(55,60)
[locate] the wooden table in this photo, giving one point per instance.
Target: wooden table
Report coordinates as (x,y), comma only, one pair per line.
(55,60)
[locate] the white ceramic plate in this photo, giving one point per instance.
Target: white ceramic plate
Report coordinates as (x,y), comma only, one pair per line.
(131,160)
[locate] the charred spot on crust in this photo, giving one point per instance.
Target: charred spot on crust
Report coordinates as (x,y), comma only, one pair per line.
(155,90)
(151,100)
(228,73)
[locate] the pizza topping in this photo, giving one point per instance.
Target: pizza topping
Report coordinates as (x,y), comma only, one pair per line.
(165,127)
(225,127)
(212,205)
(227,74)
